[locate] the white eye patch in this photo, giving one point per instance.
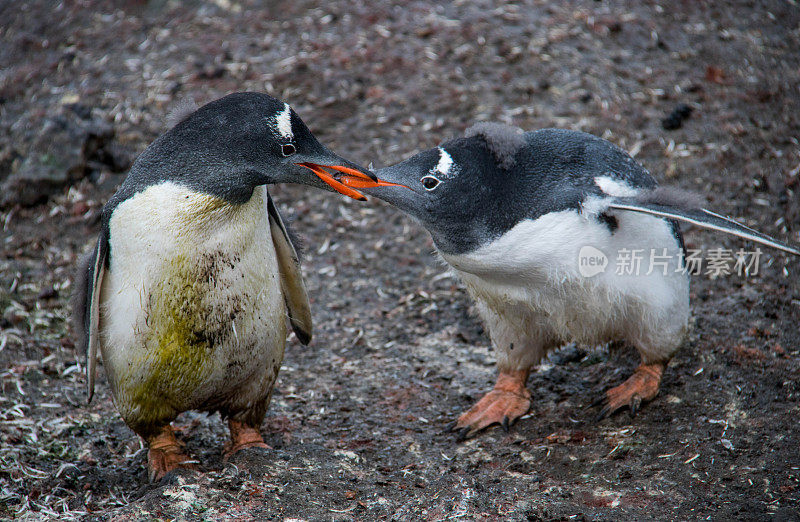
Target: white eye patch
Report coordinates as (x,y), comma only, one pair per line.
(445,169)
(283,122)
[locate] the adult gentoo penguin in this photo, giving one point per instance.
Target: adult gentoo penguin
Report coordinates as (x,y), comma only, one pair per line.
(187,290)
(517,214)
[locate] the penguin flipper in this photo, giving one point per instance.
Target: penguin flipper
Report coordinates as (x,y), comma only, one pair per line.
(292,285)
(702,218)
(87,307)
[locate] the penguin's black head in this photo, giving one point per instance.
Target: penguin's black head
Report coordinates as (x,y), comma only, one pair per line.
(454,190)
(231,145)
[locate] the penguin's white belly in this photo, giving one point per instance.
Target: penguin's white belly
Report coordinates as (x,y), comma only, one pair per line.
(192,313)
(530,283)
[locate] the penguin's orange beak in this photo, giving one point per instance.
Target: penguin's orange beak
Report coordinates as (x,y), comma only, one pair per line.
(328,178)
(346,182)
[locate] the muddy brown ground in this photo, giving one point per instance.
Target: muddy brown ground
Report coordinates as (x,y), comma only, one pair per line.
(357,420)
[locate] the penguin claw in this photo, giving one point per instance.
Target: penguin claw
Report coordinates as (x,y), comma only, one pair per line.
(162,461)
(640,387)
(503,406)
(600,400)
(165,454)
(451,427)
(462,434)
(243,436)
(605,412)
(636,403)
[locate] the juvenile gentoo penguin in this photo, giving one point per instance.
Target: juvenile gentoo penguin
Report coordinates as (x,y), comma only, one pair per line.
(516,214)
(187,290)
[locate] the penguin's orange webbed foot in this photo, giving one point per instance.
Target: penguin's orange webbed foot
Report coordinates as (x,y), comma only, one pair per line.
(640,387)
(243,436)
(165,453)
(508,401)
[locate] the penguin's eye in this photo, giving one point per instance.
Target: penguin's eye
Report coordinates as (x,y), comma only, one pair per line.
(288,149)
(430,182)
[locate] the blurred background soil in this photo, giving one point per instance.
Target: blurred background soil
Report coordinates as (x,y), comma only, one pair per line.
(357,420)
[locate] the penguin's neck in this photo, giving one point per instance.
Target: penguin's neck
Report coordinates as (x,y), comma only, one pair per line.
(169,217)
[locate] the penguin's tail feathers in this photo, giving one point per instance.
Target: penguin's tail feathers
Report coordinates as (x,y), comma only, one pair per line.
(687,207)
(670,197)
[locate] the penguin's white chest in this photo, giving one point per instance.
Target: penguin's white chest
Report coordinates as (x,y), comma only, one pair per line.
(192,311)
(531,280)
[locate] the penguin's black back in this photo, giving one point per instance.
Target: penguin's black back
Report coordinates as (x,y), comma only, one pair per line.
(561,166)
(581,157)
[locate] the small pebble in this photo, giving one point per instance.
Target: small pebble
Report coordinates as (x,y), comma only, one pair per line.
(676,117)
